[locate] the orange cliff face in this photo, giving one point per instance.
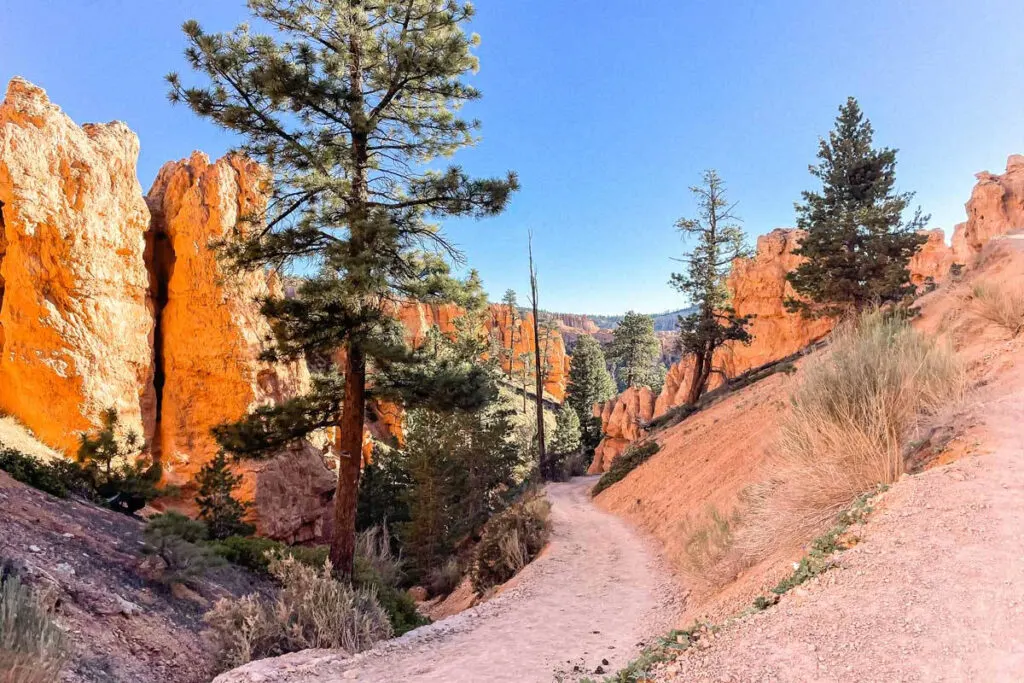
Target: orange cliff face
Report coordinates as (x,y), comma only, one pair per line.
(996,208)
(75,321)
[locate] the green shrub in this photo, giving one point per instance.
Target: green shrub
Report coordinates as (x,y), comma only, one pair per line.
(311,610)
(510,540)
(178,542)
(32,648)
(633,457)
(253,552)
(377,568)
(223,513)
(60,478)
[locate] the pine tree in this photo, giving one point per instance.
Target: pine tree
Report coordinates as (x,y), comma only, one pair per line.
(117,467)
(857,245)
(512,319)
(719,242)
(347,102)
(635,350)
(568,436)
(223,513)
(589,383)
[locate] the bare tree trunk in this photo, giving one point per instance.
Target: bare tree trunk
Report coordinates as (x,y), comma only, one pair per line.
(701,371)
(537,369)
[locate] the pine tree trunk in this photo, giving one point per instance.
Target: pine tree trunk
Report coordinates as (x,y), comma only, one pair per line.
(699,379)
(537,371)
(350,447)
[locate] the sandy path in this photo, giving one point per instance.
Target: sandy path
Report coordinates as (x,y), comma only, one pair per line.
(597,593)
(934,592)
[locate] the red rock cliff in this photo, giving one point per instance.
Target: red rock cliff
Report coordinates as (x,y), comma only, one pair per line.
(73,309)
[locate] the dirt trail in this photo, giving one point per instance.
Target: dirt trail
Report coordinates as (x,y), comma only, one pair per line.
(595,594)
(934,592)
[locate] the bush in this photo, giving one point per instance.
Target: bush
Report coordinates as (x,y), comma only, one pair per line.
(510,540)
(32,648)
(311,610)
(223,513)
(254,553)
(446,578)
(60,478)
(178,542)
(379,569)
(849,427)
(1001,305)
(633,457)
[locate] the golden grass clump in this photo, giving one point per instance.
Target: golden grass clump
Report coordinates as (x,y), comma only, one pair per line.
(1000,304)
(32,648)
(848,428)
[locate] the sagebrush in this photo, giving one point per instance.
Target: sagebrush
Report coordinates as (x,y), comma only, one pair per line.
(32,648)
(312,609)
(849,427)
(510,540)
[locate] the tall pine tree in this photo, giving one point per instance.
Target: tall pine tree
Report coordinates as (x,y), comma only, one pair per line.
(719,240)
(589,383)
(858,244)
(512,319)
(635,351)
(347,102)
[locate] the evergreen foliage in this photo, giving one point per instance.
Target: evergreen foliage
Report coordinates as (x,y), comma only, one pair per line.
(719,241)
(223,513)
(513,318)
(858,244)
(460,466)
(116,466)
(382,489)
(348,103)
(589,383)
(565,446)
(635,351)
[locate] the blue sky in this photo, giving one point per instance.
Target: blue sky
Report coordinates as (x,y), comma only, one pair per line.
(609,114)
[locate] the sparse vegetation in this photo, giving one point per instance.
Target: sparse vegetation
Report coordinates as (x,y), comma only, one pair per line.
(178,543)
(510,540)
(254,552)
(60,478)
(633,457)
(32,648)
(1000,304)
(446,578)
(311,610)
(709,538)
(849,427)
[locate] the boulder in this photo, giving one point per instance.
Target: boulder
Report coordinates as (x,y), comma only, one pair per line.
(996,208)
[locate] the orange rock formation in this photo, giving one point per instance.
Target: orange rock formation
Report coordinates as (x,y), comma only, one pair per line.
(209,331)
(622,420)
(996,207)
(73,312)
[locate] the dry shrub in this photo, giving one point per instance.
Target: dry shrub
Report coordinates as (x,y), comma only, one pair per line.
(709,541)
(311,610)
(510,540)
(446,578)
(848,428)
(1000,304)
(32,648)
(374,554)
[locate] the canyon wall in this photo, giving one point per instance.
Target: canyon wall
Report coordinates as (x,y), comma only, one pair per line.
(758,286)
(74,308)
(109,299)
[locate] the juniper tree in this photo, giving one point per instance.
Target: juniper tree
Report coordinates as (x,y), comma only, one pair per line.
(857,245)
(348,102)
(635,350)
(223,513)
(589,383)
(719,240)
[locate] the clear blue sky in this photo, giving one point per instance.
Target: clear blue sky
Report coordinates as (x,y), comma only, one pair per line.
(610,110)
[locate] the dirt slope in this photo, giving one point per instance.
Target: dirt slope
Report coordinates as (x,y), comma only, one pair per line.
(593,596)
(122,626)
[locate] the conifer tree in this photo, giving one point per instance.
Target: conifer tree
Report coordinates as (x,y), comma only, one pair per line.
(512,318)
(635,350)
(589,383)
(719,241)
(347,102)
(858,244)
(223,513)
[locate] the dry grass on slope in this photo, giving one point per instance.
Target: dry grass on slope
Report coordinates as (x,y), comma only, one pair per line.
(1001,304)
(852,417)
